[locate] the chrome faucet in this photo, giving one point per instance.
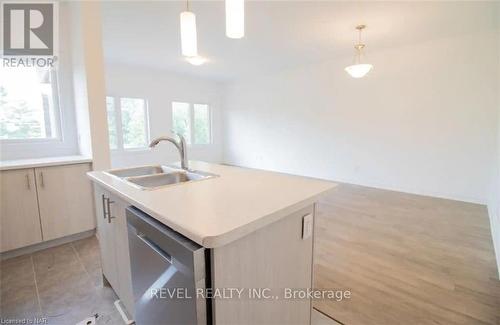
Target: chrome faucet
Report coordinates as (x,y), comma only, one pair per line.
(180,145)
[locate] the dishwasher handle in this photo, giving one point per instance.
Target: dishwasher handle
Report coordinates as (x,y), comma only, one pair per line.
(155,247)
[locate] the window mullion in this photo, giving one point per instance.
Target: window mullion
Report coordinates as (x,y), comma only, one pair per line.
(118,119)
(146,121)
(191,121)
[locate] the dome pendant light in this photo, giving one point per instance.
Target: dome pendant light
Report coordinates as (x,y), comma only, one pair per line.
(359,69)
(188,33)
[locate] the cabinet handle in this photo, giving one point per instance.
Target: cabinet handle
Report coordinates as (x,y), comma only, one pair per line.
(109,202)
(28,183)
(104,206)
(41,180)
(155,247)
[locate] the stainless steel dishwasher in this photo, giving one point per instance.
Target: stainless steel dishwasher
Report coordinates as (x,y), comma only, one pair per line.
(168,273)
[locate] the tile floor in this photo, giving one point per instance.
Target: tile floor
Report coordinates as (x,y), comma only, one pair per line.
(62,284)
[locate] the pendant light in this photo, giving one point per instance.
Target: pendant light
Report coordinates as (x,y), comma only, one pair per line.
(196,60)
(359,69)
(188,33)
(235,18)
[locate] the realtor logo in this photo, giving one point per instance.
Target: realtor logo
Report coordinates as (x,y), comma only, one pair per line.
(28,29)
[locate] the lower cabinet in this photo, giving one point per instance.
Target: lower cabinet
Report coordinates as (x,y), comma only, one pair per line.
(113,242)
(44,203)
(19,218)
(65,200)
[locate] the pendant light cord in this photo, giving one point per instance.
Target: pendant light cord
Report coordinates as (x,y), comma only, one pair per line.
(187,5)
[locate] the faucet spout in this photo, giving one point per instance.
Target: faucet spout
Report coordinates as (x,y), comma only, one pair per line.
(179,144)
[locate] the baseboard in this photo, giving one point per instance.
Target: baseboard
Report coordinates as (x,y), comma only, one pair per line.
(495,233)
(377,185)
(46,244)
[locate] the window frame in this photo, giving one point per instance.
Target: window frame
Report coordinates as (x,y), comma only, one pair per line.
(58,117)
(191,121)
(119,125)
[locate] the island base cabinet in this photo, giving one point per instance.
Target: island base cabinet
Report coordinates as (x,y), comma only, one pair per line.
(274,257)
(113,243)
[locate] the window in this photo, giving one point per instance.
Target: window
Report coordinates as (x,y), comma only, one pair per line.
(28,104)
(193,121)
(201,124)
(181,121)
(128,125)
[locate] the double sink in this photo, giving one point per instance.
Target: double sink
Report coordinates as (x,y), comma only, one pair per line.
(158,176)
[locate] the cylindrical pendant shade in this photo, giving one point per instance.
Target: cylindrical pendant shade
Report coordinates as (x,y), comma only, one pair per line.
(235,18)
(188,34)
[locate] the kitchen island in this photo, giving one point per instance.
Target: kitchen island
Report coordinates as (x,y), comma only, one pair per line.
(256,226)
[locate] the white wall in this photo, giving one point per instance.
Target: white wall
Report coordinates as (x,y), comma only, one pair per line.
(88,82)
(423,121)
(160,88)
(494,201)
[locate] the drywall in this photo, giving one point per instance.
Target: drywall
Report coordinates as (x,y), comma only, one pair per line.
(494,200)
(88,83)
(423,121)
(160,88)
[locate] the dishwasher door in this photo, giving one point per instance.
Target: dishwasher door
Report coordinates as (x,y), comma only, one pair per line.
(167,271)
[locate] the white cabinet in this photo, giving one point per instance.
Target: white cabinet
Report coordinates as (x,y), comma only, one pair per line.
(106,236)
(65,200)
(119,223)
(113,242)
(19,219)
(41,204)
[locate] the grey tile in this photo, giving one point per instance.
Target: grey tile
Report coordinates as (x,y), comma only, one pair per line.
(97,302)
(88,252)
(62,277)
(69,282)
(55,258)
(24,305)
(96,277)
(64,290)
(16,273)
(87,247)
(15,260)
(18,297)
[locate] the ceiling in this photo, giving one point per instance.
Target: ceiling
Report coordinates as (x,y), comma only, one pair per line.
(278,34)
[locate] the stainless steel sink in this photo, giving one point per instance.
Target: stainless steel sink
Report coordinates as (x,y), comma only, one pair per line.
(140,171)
(153,177)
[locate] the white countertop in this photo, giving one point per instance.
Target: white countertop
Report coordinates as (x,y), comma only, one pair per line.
(42,162)
(216,211)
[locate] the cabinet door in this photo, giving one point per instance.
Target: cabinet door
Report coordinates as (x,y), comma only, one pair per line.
(119,226)
(19,219)
(106,237)
(65,200)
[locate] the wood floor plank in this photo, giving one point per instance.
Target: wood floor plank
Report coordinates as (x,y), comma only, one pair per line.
(406,259)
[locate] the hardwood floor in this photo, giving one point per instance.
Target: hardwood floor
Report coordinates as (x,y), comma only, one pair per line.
(406,259)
